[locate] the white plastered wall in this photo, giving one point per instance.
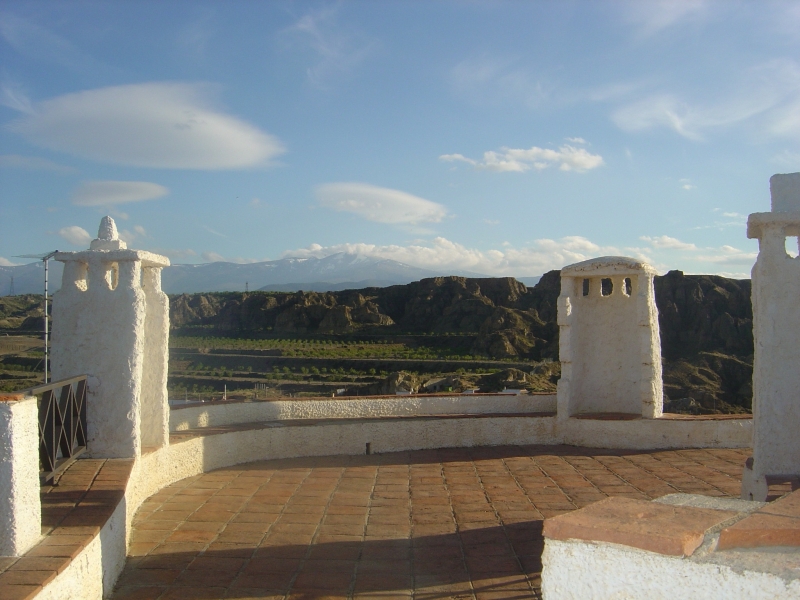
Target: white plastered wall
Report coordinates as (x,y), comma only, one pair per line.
(577,570)
(20,505)
(776,333)
(609,346)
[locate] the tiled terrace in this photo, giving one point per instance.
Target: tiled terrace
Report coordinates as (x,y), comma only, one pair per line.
(452,523)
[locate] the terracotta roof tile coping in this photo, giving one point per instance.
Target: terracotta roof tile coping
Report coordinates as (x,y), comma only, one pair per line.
(776,524)
(665,529)
(13,397)
(91,489)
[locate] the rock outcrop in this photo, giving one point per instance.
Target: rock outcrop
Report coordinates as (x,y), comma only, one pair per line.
(705,323)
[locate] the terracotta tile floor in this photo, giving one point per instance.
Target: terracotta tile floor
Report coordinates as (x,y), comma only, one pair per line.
(451,523)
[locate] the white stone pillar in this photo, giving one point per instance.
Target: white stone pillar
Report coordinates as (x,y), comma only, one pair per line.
(609,343)
(20,504)
(101,328)
(776,336)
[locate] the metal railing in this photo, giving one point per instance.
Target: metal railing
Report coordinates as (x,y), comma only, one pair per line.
(62,424)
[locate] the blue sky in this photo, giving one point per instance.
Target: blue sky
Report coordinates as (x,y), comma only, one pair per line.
(502,138)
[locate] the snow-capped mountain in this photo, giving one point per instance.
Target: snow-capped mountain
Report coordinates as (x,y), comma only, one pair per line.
(289,274)
(334,272)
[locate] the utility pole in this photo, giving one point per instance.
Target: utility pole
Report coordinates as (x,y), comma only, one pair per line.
(11,289)
(44,258)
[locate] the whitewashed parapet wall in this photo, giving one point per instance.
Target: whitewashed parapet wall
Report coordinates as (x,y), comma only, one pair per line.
(20,505)
(609,343)
(111,322)
(776,333)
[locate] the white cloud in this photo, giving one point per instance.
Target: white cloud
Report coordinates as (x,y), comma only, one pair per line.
(687,184)
(381,205)
(442,254)
(539,256)
(4,262)
(338,52)
(108,193)
(32,163)
(568,158)
(159,125)
(77,236)
(576,140)
(140,230)
(666,242)
(212,257)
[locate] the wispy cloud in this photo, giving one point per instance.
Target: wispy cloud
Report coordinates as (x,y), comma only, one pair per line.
(654,16)
(489,80)
(176,254)
(77,236)
(338,51)
(666,242)
(109,193)
(193,38)
(160,125)
(13,96)
(567,158)
(381,205)
(38,43)
(216,257)
(767,95)
(4,262)
(728,219)
(32,163)
(214,232)
(212,257)
(728,255)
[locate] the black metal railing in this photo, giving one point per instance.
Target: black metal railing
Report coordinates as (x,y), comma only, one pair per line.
(62,424)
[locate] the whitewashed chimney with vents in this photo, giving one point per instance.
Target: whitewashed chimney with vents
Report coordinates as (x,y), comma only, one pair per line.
(111,322)
(609,343)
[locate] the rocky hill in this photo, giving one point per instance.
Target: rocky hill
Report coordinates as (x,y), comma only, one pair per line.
(705,322)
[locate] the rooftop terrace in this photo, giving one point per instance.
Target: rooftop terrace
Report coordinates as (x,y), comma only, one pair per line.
(463,523)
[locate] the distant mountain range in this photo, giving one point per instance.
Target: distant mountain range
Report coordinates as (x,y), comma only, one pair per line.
(333,273)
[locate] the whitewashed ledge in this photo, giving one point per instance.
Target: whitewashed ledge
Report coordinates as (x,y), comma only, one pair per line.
(214,414)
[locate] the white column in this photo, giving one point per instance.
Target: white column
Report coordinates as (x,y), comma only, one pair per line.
(20,504)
